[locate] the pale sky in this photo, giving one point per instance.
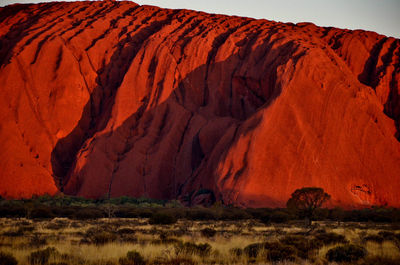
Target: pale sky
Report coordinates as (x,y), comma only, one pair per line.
(382,16)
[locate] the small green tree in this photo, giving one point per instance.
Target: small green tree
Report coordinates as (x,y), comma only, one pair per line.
(306,200)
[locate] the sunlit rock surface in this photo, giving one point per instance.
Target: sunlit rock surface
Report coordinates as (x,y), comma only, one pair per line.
(112,98)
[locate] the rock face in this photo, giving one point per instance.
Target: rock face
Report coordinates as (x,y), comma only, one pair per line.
(112,98)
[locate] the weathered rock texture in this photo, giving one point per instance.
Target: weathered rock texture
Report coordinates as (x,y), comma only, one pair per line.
(113,98)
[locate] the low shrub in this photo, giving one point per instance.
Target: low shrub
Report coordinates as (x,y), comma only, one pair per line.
(375,260)
(41,257)
(273,251)
(12,210)
(98,236)
(276,251)
(253,250)
(201,214)
(273,216)
(13,233)
(374,238)
(41,213)
(330,238)
(173,261)
(237,252)
(232,214)
(131,238)
(386,234)
(265,218)
(279,217)
(190,248)
(258,213)
(208,232)
(85,214)
(304,246)
(7,259)
(165,239)
(38,240)
(125,230)
(132,258)
(103,237)
(65,211)
(390,236)
(346,253)
(57,224)
(162,218)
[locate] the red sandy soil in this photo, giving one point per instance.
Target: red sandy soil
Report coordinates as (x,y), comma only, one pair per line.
(114,98)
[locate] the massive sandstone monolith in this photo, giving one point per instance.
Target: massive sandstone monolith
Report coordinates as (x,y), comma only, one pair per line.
(112,98)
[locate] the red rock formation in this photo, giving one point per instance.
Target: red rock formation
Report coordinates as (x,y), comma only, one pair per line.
(113,98)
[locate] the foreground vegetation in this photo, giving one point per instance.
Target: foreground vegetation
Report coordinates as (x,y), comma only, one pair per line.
(127,231)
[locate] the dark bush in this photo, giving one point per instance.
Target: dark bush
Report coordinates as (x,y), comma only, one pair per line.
(41,213)
(88,213)
(253,250)
(13,233)
(127,212)
(144,213)
(379,260)
(386,234)
(237,252)
(12,210)
(55,225)
(321,214)
(336,214)
(346,253)
(304,246)
(330,238)
(68,212)
(124,231)
(276,251)
(7,259)
(374,214)
(173,261)
(132,258)
(162,218)
(201,214)
(26,228)
(265,218)
(165,239)
(102,237)
(231,214)
(37,240)
(192,249)
(279,217)
(272,216)
(208,232)
(41,256)
(374,238)
(258,213)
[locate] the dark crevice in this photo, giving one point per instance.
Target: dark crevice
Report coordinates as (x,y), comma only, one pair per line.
(197,153)
(112,26)
(18,31)
(98,14)
(392,105)
(59,59)
(39,48)
(369,75)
